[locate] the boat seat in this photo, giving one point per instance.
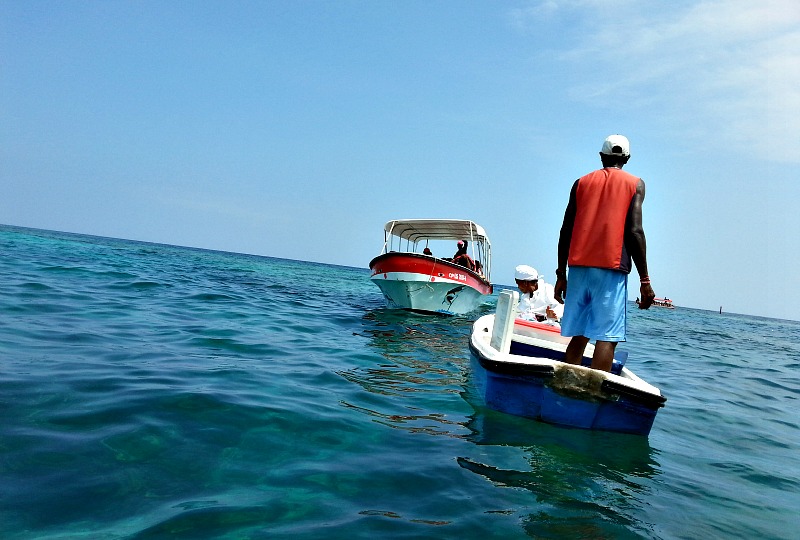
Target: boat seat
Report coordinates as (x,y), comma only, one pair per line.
(504,317)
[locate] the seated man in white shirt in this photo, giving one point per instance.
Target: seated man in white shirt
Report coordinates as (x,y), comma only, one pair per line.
(537,300)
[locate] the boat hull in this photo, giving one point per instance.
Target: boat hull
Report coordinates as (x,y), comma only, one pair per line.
(535,396)
(549,390)
(660,302)
(422,283)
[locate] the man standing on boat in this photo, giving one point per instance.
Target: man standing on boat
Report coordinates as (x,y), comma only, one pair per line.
(601,233)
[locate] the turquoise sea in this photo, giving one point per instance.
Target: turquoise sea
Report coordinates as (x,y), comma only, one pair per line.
(154,391)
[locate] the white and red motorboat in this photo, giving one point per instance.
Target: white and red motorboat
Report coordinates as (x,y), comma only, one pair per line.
(413,280)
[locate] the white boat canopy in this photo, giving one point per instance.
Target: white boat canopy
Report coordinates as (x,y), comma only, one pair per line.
(415,230)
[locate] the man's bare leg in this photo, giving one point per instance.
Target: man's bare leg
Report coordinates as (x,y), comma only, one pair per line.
(575,349)
(603,355)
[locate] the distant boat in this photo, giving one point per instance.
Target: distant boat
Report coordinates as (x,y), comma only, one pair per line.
(518,369)
(412,279)
(663,302)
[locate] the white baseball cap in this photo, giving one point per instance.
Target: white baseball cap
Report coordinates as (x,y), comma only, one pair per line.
(524,272)
(616,145)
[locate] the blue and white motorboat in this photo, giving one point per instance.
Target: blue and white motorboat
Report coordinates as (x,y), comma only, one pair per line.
(518,369)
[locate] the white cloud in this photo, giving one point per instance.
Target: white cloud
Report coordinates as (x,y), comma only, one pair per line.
(726,70)
(525,17)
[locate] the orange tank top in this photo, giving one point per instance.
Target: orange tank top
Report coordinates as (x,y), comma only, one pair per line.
(603,199)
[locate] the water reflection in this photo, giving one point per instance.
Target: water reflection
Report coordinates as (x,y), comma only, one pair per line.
(418,372)
(592,451)
(421,353)
(393,331)
(590,484)
(580,483)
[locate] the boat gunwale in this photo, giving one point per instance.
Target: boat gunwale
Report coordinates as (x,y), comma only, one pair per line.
(435,260)
(504,367)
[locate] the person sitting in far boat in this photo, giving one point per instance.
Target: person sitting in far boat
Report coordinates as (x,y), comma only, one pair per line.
(427,251)
(479,268)
(537,301)
(461,258)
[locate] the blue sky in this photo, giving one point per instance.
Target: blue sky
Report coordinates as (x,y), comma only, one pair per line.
(296,129)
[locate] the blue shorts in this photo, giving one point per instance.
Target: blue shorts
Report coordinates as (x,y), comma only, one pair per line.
(595,305)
